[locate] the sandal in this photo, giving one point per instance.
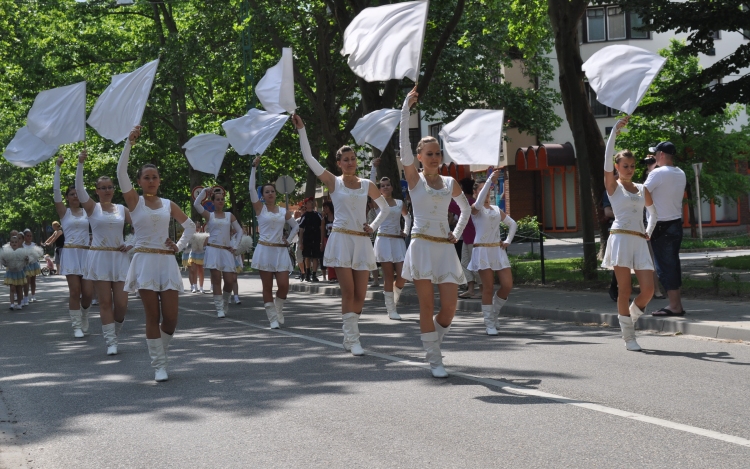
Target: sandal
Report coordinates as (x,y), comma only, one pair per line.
(467,296)
(666,312)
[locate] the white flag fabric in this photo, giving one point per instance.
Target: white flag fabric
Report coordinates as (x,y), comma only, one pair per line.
(620,75)
(474,137)
(205,152)
(276,89)
(121,106)
(27,150)
(385,42)
(58,116)
(252,133)
(376,128)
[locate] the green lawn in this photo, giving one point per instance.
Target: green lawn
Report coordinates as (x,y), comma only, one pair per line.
(733,242)
(738,263)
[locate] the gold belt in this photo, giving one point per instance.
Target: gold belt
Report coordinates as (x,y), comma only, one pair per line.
(434,239)
(98,248)
(273,245)
(76,246)
(350,232)
(219,246)
(488,245)
(386,235)
(153,251)
(628,232)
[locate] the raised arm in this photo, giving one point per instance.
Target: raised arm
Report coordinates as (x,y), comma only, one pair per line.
(257,204)
(126,187)
(198,204)
(482,196)
(326,177)
(56,194)
(610,182)
(83,196)
(375,195)
(405,152)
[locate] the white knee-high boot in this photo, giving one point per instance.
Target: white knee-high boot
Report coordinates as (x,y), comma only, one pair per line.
(118,327)
(273,316)
(351,334)
(219,303)
(158,358)
(75,320)
(431,344)
(628,333)
(488,311)
(396,294)
(635,312)
(390,306)
(225,296)
(441,331)
(110,338)
(85,320)
(279,303)
(497,306)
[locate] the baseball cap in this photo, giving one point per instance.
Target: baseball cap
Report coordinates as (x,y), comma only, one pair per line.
(666,147)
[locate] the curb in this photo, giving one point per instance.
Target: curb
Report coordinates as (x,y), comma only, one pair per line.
(663,325)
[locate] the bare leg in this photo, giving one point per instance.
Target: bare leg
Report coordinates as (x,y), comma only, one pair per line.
(229,280)
(388,276)
(87,292)
(74,289)
(426,297)
(216,281)
(32,285)
(106,307)
(400,282)
(488,281)
(646,281)
(506,283)
(120,300)
(282,283)
(625,288)
(353,289)
(200,272)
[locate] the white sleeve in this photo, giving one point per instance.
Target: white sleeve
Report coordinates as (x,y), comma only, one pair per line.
(652,219)
(407,223)
(407,157)
(187,234)
(237,238)
(83,196)
(373,174)
(483,193)
(463,220)
(512,227)
(609,164)
(384,209)
(304,144)
(251,187)
(294,228)
(56,194)
(198,201)
(122,169)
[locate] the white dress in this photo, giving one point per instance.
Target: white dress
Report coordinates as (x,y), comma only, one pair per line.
(388,249)
(151,271)
(349,213)
(219,230)
(76,231)
(487,225)
(271,228)
(105,261)
(623,249)
(425,259)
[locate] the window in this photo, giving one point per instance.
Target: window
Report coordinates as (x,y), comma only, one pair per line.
(415,135)
(615,23)
(611,23)
(595,25)
(597,108)
(716,34)
(637,22)
(435,132)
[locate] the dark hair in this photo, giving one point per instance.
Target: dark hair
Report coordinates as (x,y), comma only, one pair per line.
(623,154)
(425,141)
(215,193)
(467,185)
(70,188)
(263,187)
(329,205)
(145,167)
(102,178)
(342,150)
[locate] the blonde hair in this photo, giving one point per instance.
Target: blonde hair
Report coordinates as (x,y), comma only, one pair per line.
(623,154)
(425,141)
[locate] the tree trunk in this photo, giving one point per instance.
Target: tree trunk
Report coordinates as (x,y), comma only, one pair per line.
(691,211)
(564,16)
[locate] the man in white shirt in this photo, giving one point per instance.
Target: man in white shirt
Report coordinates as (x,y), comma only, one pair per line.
(667,187)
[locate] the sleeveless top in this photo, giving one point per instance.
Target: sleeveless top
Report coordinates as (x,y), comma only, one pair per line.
(76,229)
(628,209)
(60,241)
(487,225)
(431,207)
(392,224)
(151,226)
(107,227)
(219,229)
(350,205)
(271,225)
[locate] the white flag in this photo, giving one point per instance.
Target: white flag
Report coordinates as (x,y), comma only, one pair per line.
(27,150)
(58,116)
(252,133)
(205,152)
(620,75)
(385,42)
(474,137)
(276,89)
(376,128)
(121,106)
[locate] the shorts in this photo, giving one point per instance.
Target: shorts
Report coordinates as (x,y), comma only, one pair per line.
(311,249)
(666,240)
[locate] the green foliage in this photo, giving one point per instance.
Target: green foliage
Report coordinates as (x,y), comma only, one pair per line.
(736,263)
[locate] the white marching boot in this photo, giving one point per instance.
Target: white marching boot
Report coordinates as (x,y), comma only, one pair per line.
(390,306)
(85,320)
(75,319)
(219,303)
(635,313)
(158,358)
(431,344)
(225,297)
(166,339)
(273,316)
(628,333)
(279,303)
(396,294)
(441,331)
(110,338)
(351,334)
(118,327)
(488,311)
(497,305)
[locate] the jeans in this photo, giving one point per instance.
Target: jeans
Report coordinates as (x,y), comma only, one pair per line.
(666,241)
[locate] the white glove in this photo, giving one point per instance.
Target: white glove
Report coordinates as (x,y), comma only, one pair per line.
(384,210)
(83,196)
(407,157)
(187,234)
(652,219)
(251,187)
(512,227)
(463,220)
(199,200)
(304,144)
(483,194)
(122,169)
(57,195)
(407,224)
(294,229)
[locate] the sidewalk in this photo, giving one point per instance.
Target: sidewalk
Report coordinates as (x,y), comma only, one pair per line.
(729,320)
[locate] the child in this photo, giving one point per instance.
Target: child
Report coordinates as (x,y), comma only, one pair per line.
(50,264)
(15,260)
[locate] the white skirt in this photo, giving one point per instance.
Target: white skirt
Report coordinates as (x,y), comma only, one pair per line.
(73,261)
(494,258)
(624,250)
(108,266)
(219,259)
(271,259)
(389,249)
(353,252)
(436,262)
(157,272)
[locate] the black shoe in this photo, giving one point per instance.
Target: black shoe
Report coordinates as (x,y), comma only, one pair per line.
(613,292)
(315,278)
(307,278)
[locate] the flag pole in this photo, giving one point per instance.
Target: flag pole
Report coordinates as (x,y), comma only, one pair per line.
(424,30)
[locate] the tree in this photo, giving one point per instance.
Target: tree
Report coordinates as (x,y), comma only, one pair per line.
(698,138)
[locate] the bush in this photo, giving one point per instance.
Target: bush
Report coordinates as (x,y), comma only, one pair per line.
(528,227)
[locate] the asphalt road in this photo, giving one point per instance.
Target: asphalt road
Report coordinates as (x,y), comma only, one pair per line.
(541,394)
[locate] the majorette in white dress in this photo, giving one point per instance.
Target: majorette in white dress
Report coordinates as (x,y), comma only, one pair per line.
(349,246)
(156,270)
(628,249)
(271,254)
(389,245)
(488,252)
(427,259)
(76,248)
(105,260)
(217,255)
